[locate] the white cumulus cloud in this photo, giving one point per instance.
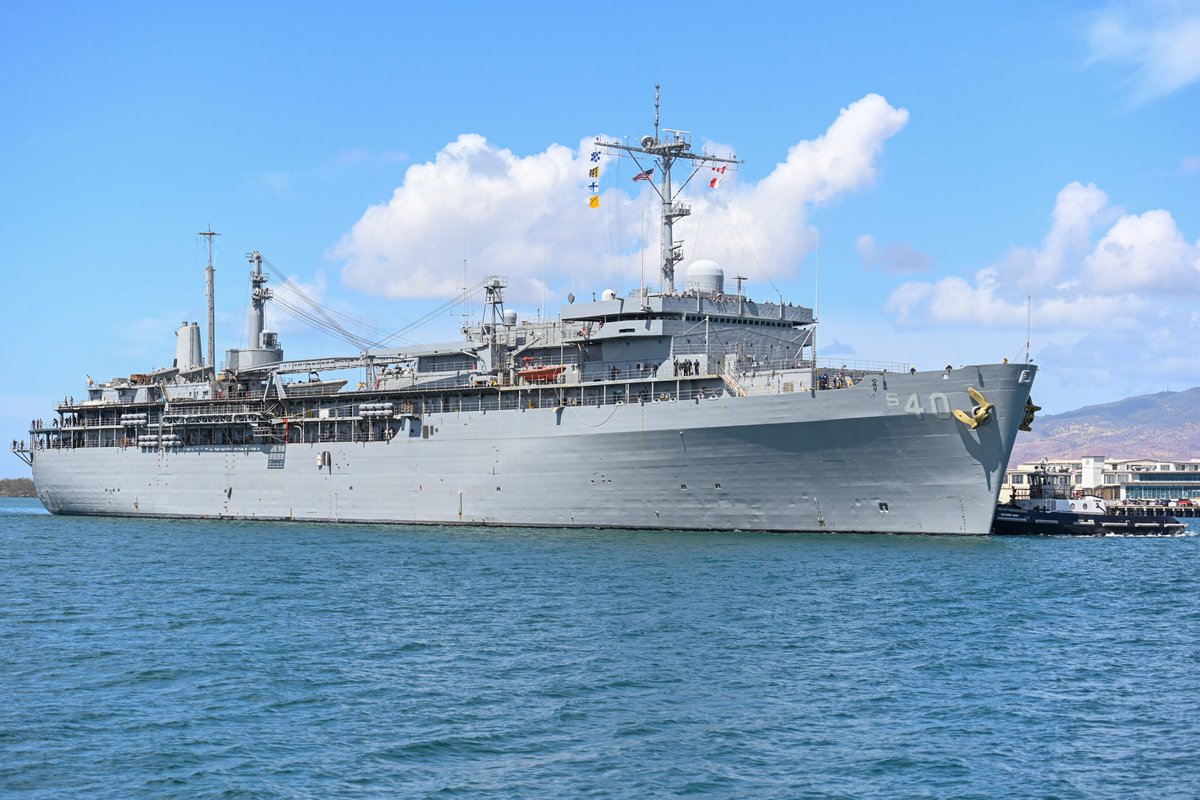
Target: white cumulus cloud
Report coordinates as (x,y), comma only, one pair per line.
(1075,280)
(1144,253)
(526,217)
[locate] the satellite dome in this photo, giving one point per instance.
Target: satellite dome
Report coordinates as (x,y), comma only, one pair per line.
(706,277)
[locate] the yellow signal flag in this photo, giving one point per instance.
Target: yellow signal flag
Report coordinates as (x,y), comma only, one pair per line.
(594,172)
(594,201)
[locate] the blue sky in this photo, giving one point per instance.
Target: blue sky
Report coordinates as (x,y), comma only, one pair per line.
(950,159)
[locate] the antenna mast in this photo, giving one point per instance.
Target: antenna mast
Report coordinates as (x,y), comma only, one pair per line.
(466,324)
(259,295)
(1028,323)
(656,88)
(665,151)
(208,280)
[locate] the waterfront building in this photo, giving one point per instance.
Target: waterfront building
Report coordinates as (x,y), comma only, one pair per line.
(1129,480)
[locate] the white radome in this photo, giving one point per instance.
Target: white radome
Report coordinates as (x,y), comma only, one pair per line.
(704,275)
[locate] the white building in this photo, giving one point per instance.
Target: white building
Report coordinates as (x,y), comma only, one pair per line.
(1140,480)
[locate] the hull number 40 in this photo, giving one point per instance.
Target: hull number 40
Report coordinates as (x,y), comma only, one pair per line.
(937,403)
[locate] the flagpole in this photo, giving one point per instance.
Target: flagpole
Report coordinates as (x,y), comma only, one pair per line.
(1028,323)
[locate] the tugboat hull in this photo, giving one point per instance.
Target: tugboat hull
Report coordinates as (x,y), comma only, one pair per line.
(1031,522)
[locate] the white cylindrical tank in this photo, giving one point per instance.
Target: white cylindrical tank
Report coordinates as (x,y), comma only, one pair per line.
(706,277)
(188,353)
(183,346)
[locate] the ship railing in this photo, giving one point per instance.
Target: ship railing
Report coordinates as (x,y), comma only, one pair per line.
(574,374)
(1043,492)
(238,394)
(553,396)
(347,429)
(739,365)
(22,451)
(632,370)
(833,374)
(860,366)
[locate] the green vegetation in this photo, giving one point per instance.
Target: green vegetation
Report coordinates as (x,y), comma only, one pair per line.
(16,487)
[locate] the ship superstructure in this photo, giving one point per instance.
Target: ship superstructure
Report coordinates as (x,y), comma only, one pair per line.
(689,408)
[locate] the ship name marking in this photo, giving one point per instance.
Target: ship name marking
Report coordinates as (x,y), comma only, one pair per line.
(939,403)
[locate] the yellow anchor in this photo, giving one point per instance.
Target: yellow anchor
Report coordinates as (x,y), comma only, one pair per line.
(980,414)
(1030,411)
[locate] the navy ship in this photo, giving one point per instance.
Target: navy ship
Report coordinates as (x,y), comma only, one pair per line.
(684,407)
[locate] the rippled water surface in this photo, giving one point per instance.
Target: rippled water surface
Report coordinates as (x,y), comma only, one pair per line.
(145,658)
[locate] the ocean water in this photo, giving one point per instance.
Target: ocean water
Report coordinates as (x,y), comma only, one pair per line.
(143,658)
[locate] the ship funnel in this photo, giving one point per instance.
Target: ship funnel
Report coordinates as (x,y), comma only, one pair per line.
(197,350)
(188,353)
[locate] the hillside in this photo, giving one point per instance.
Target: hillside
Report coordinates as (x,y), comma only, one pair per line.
(1163,426)
(16,487)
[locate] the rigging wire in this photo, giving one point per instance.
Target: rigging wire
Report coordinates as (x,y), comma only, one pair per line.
(315,322)
(749,252)
(702,223)
(460,297)
(322,318)
(317,307)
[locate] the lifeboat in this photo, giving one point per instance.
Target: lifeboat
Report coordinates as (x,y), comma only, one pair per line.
(540,374)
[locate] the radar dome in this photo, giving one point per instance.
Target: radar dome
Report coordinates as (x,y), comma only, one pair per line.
(608,294)
(706,277)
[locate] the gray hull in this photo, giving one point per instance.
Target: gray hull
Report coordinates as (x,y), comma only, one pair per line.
(883,456)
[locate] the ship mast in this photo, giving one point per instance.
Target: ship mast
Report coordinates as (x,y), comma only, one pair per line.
(259,295)
(208,280)
(665,151)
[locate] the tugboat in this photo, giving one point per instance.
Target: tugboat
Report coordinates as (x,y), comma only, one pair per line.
(1048,510)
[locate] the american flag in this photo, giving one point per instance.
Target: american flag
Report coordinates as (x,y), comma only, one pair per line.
(648,175)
